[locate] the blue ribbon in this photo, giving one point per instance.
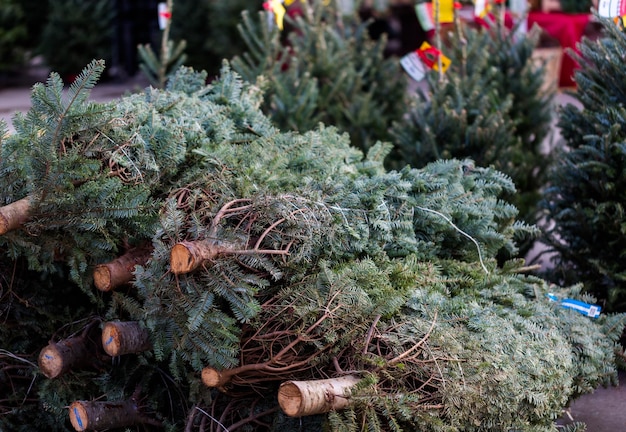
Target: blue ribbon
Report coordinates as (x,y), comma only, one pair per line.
(586,309)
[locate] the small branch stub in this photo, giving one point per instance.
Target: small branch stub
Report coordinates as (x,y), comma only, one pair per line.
(213,378)
(60,357)
(304,398)
(187,256)
(90,415)
(119,272)
(120,338)
(14,215)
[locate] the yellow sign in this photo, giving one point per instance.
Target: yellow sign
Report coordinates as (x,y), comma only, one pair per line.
(277,8)
(446,10)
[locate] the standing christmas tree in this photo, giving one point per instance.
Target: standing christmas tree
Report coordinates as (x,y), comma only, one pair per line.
(586,199)
(323,67)
(489,106)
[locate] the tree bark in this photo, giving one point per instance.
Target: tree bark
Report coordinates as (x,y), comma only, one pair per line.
(14,215)
(58,358)
(88,415)
(120,338)
(304,398)
(119,272)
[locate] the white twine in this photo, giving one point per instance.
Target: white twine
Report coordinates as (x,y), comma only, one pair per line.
(480,256)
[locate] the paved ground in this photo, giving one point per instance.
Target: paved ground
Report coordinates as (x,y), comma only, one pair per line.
(602,411)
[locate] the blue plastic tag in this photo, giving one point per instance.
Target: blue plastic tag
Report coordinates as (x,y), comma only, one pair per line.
(586,309)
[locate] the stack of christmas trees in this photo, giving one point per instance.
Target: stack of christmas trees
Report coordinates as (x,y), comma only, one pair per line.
(187,264)
(175,260)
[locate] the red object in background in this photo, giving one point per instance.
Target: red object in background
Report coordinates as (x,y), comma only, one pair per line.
(294,9)
(508,20)
(429,56)
(568,29)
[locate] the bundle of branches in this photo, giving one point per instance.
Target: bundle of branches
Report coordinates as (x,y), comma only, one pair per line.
(324,67)
(407,344)
(245,249)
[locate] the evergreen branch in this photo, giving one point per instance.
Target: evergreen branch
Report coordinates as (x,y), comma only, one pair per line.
(79,92)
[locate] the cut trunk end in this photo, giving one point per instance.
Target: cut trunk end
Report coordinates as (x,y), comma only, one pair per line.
(213,378)
(120,271)
(88,415)
(304,398)
(187,256)
(14,215)
(60,357)
(119,338)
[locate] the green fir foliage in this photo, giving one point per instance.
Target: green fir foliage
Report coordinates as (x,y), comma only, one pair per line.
(91,172)
(323,67)
(77,32)
(13,35)
(159,68)
(209,28)
(586,199)
(489,106)
(322,263)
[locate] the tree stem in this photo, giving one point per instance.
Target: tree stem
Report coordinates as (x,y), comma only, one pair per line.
(14,215)
(119,272)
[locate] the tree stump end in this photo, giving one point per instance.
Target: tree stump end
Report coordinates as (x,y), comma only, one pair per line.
(51,361)
(79,416)
(4,225)
(290,398)
(182,259)
(211,377)
(102,278)
(111,340)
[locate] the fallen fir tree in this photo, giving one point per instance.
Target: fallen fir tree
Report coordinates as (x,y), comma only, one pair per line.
(315,262)
(83,181)
(257,301)
(228,254)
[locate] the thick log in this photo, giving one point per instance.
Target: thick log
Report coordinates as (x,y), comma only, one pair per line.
(60,357)
(304,398)
(119,338)
(89,415)
(119,272)
(14,215)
